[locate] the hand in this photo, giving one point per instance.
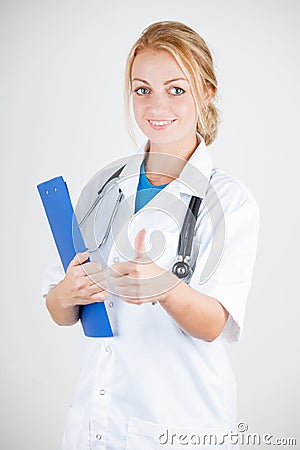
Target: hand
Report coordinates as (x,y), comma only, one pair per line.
(83,283)
(141,280)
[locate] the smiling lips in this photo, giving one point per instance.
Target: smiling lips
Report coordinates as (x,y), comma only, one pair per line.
(160,124)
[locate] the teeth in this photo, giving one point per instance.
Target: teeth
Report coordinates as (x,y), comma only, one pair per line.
(160,122)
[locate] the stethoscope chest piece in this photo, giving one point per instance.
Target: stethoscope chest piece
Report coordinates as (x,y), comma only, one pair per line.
(181,269)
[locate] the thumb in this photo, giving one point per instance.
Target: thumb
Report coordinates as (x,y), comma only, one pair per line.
(139,244)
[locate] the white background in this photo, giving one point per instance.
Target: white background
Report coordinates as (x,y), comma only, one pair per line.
(62,65)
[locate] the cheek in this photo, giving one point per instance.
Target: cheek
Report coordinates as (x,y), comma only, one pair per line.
(138,109)
(187,108)
(188,113)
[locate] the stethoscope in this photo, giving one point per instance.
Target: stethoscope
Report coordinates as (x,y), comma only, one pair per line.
(181,268)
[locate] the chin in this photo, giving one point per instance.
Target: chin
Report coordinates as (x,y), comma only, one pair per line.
(159,137)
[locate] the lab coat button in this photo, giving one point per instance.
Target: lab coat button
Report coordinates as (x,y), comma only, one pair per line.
(98,436)
(102,392)
(116,259)
(111,304)
(108,348)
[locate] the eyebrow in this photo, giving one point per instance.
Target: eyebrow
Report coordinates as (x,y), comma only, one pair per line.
(165,83)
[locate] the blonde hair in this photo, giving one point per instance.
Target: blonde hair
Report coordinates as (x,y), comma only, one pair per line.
(195,60)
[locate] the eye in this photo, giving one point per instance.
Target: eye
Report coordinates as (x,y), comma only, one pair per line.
(142,91)
(177,91)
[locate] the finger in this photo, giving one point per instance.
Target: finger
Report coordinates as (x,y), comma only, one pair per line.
(88,290)
(78,259)
(121,269)
(139,244)
(133,301)
(97,297)
(94,289)
(91,268)
(125,281)
(125,295)
(98,279)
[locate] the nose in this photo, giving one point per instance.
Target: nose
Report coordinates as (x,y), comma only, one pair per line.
(158,104)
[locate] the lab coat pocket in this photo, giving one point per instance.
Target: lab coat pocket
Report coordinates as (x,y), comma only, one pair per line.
(151,436)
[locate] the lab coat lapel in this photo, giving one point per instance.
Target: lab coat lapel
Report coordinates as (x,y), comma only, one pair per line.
(129,179)
(195,176)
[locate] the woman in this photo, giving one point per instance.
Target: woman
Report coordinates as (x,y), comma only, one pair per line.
(163,379)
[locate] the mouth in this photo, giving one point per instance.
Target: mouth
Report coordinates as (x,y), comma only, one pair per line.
(160,124)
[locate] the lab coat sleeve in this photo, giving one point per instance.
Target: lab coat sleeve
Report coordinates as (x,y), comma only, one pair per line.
(53,274)
(230,283)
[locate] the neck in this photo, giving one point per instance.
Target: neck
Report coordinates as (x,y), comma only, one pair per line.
(164,163)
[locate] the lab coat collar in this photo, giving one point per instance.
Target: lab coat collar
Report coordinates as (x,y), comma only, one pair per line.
(193,179)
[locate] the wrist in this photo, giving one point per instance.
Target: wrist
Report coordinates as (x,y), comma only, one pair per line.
(168,297)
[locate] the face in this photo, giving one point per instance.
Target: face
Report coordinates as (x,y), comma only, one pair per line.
(163,104)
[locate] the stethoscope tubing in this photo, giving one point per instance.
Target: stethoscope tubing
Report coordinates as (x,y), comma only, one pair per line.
(188,228)
(181,268)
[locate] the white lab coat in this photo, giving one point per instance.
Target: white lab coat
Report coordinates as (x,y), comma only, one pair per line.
(152,385)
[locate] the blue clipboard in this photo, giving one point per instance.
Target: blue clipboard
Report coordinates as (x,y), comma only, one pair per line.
(69,241)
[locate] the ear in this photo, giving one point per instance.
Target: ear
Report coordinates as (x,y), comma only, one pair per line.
(209,95)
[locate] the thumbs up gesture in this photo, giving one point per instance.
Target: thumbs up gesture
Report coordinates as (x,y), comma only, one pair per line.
(140,280)
(139,246)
